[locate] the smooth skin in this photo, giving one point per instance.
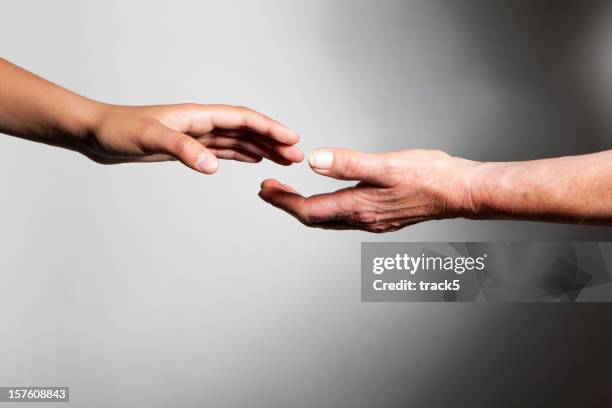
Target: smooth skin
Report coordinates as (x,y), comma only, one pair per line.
(197,135)
(398,189)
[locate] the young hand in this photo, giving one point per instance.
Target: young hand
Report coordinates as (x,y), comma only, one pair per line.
(197,135)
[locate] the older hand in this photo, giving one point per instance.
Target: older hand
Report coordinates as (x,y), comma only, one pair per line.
(396,189)
(194,134)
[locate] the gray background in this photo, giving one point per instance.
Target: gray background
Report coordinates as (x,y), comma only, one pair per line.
(150,285)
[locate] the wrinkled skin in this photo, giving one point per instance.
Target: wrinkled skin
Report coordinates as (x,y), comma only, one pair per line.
(396,189)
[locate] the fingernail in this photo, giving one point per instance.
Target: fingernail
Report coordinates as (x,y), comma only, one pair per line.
(206,162)
(321,159)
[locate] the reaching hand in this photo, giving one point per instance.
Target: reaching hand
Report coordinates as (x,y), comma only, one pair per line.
(194,134)
(197,135)
(396,190)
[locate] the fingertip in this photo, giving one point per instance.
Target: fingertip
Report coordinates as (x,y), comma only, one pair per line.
(296,136)
(263,183)
(206,162)
(321,159)
(267,193)
(299,157)
(291,154)
(212,170)
(270,183)
(284,134)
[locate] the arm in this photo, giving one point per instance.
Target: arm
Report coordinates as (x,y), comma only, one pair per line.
(398,189)
(197,135)
(573,189)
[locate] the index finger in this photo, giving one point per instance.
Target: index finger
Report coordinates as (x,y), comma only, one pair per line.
(238,117)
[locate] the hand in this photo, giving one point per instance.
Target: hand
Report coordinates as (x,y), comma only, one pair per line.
(197,135)
(396,189)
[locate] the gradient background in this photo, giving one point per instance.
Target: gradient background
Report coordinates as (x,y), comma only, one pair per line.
(150,285)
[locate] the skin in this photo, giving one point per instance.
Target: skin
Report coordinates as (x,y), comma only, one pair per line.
(398,189)
(197,135)
(395,189)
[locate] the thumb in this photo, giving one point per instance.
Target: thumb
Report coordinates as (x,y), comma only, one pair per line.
(186,149)
(345,164)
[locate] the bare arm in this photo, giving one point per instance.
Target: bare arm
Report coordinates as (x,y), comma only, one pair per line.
(576,189)
(398,189)
(197,135)
(35,109)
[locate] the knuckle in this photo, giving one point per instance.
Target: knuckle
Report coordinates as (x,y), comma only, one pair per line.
(382,227)
(181,144)
(149,128)
(392,164)
(439,154)
(245,115)
(352,165)
(382,193)
(367,217)
(242,111)
(306,220)
(306,216)
(393,168)
(376,229)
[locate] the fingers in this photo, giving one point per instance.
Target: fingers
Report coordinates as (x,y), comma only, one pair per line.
(290,154)
(246,142)
(231,143)
(344,164)
(232,154)
(313,211)
(339,210)
(288,200)
(189,151)
(235,117)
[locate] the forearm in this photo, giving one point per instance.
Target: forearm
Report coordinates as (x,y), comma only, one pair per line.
(576,189)
(35,109)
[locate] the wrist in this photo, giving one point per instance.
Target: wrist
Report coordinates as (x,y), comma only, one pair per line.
(493,192)
(462,189)
(87,122)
